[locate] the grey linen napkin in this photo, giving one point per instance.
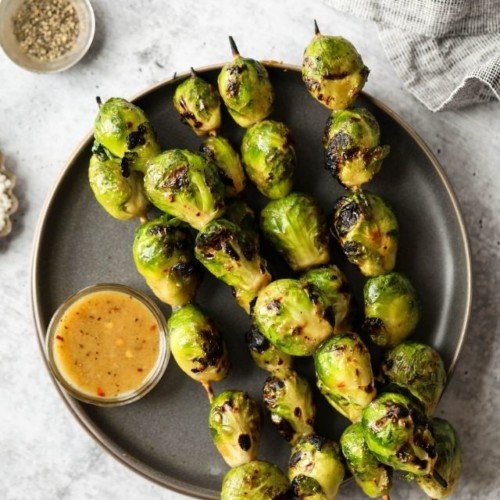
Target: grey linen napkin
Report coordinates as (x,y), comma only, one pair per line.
(447,52)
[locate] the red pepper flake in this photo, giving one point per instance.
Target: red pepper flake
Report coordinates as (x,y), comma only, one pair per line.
(100,392)
(58,337)
(152,328)
(139,369)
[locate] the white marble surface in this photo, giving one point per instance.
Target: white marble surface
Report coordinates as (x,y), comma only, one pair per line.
(44,454)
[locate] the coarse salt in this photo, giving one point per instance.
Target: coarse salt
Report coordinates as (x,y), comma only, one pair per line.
(5,200)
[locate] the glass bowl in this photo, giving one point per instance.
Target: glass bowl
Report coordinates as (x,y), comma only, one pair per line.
(148,383)
(12,49)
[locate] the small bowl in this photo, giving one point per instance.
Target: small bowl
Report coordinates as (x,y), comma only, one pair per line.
(14,203)
(147,385)
(11,46)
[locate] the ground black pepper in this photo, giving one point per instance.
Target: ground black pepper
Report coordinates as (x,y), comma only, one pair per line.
(46,29)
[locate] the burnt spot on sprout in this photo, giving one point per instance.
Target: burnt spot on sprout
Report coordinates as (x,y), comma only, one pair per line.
(285,429)
(373,326)
(329,315)
(256,341)
(177,179)
(317,441)
(336,76)
(207,152)
(347,218)
(185,269)
(188,116)
(295,458)
(125,167)
(225,179)
(353,249)
(138,137)
(274,305)
(312,292)
(244,442)
(212,347)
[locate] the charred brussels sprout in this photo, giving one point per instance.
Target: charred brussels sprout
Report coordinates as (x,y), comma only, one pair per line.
(266,355)
(123,129)
(367,231)
(373,477)
(294,316)
(333,70)
(269,158)
(197,346)
(419,369)
(122,196)
(245,88)
(391,309)
(449,462)
(198,103)
(332,283)
(163,254)
(344,374)
(256,480)
(353,153)
(296,227)
(230,255)
(315,468)
(185,185)
(398,433)
(219,150)
(235,425)
(289,399)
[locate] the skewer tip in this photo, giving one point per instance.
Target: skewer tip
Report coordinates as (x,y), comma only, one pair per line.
(316,28)
(234,48)
(99,101)
(193,72)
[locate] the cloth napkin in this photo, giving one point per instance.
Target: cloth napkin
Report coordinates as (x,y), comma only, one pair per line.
(447,52)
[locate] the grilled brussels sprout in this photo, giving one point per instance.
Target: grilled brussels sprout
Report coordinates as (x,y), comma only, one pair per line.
(233,257)
(398,433)
(332,283)
(391,309)
(367,231)
(256,480)
(315,468)
(198,103)
(289,399)
(373,477)
(245,88)
(119,192)
(449,462)
(123,129)
(344,374)
(219,150)
(197,346)
(266,355)
(294,316)
(269,158)
(239,213)
(296,227)
(163,254)
(234,422)
(185,185)
(353,153)
(333,70)
(419,369)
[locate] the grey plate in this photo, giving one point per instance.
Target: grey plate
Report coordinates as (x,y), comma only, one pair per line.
(164,436)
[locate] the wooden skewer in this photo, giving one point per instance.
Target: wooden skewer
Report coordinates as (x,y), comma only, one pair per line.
(234,48)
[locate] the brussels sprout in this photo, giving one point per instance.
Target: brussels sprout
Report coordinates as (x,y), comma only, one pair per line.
(197,346)
(239,213)
(294,316)
(344,374)
(198,103)
(185,185)
(269,158)
(289,399)
(163,254)
(230,255)
(123,129)
(256,480)
(296,227)
(120,192)
(353,153)
(373,477)
(245,89)
(419,369)
(367,231)
(398,433)
(234,422)
(448,466)
(219,150)
(332,283)
(333,70)
(266,355)
(315,468)
(391,309)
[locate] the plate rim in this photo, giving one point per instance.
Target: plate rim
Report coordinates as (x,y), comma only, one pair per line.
(106,443)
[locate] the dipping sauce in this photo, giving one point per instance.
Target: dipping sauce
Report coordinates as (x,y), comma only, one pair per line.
(106,344)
